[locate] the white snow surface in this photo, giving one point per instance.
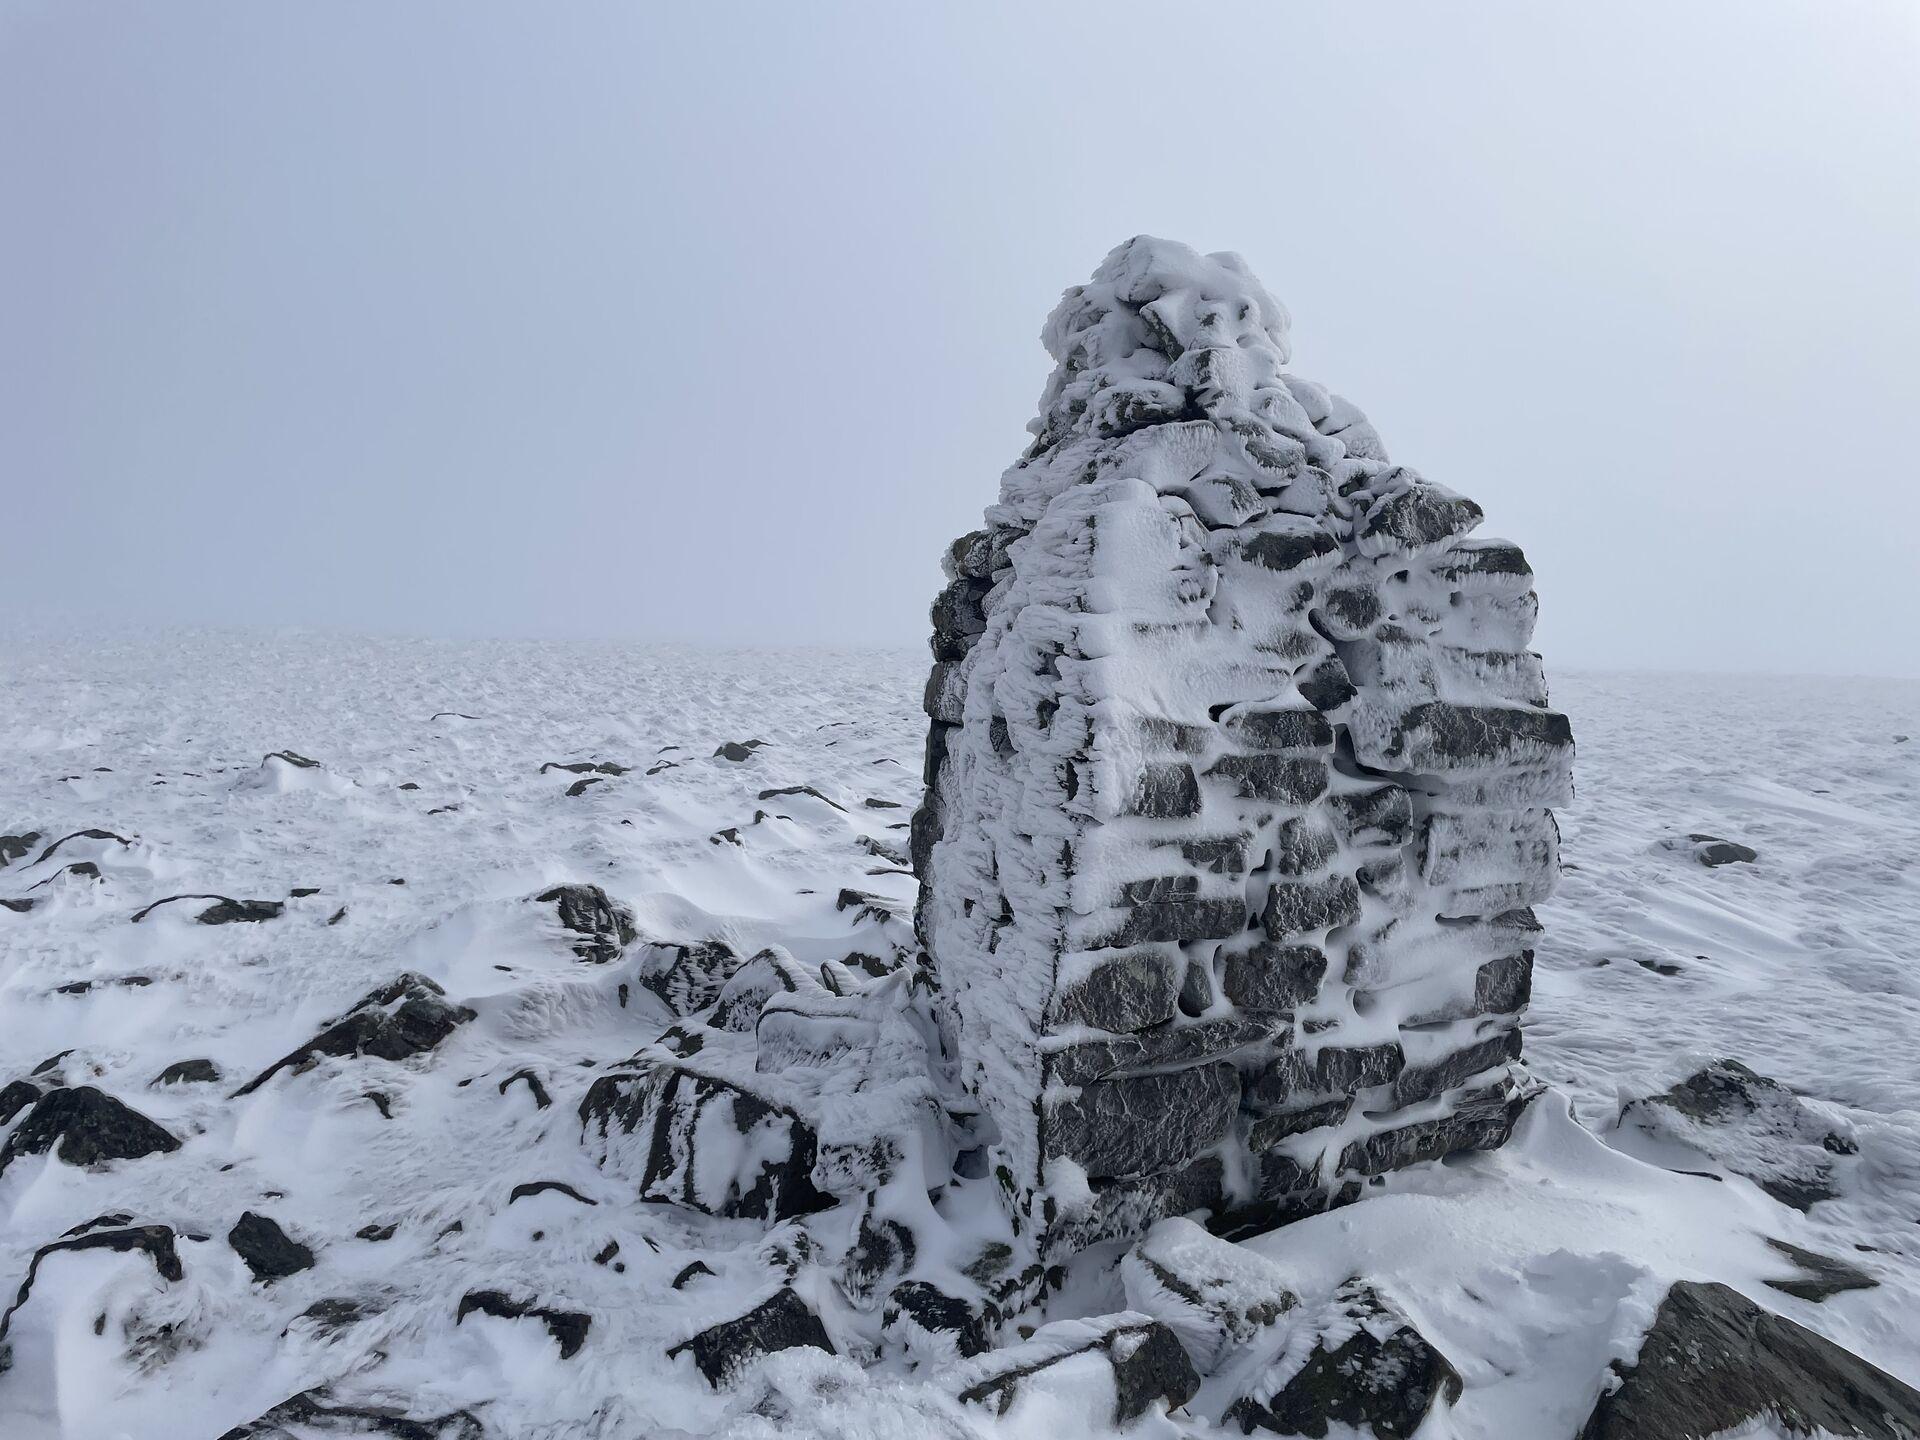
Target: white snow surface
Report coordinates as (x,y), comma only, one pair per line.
(1530,1268)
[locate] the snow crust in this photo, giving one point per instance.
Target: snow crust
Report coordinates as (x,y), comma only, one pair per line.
(1529,1267)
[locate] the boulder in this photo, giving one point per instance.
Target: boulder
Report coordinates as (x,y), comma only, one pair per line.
(1753,1126)
(269,1252)
(782,1322)
(188,1072)
(1132,1362)
(316,1412)
(1215,1296)
(409,1015)
(567,1327)
(1367,1368)
(937,1327)
(604,927)
(702,1141)
(85,1127)
(1714,1363)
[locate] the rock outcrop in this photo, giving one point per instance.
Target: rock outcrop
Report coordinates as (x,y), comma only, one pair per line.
(1238,782)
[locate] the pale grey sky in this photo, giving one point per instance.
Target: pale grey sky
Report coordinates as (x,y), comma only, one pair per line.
(714,322)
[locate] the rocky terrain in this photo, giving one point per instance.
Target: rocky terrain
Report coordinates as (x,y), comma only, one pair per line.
(437,1233)
(429,1040)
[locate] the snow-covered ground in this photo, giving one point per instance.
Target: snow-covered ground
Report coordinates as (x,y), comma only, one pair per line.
(428,822)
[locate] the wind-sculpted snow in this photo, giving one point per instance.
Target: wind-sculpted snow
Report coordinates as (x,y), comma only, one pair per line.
(1238,782)
(484,1267)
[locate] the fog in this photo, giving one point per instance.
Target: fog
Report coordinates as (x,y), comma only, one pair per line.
(714,323)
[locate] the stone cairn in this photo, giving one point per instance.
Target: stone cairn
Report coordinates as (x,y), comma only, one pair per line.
(1237,783)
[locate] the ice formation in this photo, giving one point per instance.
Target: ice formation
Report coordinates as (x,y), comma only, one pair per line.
(1238,783)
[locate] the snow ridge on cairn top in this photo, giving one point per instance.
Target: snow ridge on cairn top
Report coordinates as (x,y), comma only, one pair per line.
(1188,346)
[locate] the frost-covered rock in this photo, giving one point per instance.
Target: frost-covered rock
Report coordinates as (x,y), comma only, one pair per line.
(1355,1362)
(603,927)
(1214,1295)
(782,1322)
(1109,1370)
(1753,1126)
(407,1016)
(1714,1363)
(84,1126)
(1239,780)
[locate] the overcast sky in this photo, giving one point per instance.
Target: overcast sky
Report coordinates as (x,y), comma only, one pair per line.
(715,322)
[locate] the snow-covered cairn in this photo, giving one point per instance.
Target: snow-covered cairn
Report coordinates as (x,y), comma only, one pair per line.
(1237,782)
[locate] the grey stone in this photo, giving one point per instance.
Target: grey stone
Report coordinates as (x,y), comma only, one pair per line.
(85,1127)
(1149,1366)
(269,1252)
(1714,1361)
(1131,991)
(1296,907)
(1274,977)
(1165,790)
(407,1016)
(1142,1124)
(604,927)
(650,1121)
(1369,1369)
(1287,780)
(1426,1081)
(782,1322)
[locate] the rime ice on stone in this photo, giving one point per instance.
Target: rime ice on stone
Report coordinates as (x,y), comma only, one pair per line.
(1237,782)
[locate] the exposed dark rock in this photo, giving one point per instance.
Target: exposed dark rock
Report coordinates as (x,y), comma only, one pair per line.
(688,978)
(1131,991)
(800,790)
(224,910)
(298,761)
(568,1327)
(188,1072)
(48,853)
(1481,1120)
(691,1272)
(15,1097)
(579,787)
(312,1412)
(1215,1297)
(19,906)
(1274,977)
(1711,850)
(1713,1361)
(269,1252)
(721,1352)
(155,1241)
(12,847)
(649,1124)
(408,1016)
(586,767)
(79,870)
(1298,907)
(301,892)
(540,1187)
(1369,1369)
(88,1127)
(922,1313)
(605,927)
(1165,790)
(738,752)
(1423,1082)
(1149,1367)
(1818,1277)
(1752,1125)
(1141,1124)
(541,1100)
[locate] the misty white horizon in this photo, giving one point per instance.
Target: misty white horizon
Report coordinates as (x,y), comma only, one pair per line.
(716,325)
